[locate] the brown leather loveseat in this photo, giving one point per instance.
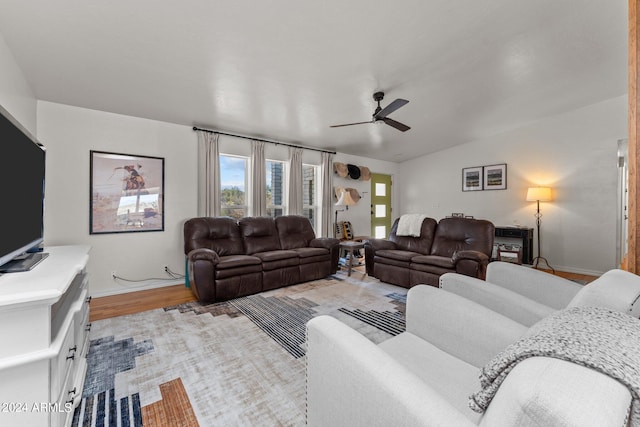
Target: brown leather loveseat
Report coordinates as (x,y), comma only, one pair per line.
(458,245)
(228,258)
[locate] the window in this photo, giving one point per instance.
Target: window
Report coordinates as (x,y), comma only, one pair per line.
(276,196)
(310,195)
(233,184)
(234,178)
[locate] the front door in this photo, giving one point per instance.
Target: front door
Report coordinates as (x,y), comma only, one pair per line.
(380,205)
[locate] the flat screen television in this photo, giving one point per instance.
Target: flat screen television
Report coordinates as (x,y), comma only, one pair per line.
(22,166)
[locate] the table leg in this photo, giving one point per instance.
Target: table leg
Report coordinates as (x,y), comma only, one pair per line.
(350,261)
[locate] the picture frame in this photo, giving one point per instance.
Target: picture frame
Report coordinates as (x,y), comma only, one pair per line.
(472,179)
(495,177)
(126,193)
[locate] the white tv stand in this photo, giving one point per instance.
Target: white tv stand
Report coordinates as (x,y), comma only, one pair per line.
(44,328)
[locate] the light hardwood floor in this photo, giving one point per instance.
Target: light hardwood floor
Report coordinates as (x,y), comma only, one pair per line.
(134,302)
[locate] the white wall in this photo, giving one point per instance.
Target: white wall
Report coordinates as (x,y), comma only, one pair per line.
(69,133)
(15,94)
(575,153)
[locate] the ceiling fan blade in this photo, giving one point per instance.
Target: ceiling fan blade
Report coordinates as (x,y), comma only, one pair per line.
(351,124)
(400,126)
(390,108)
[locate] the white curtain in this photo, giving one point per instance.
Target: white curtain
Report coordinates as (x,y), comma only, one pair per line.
(326,186)
(295,181)
(258,179)
(208,174)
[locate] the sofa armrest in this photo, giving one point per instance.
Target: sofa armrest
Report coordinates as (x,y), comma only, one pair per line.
(380,244)
(204,254)
(370,248)
(324,242)
(202,265)
(616,290)
(470,255)
(545,288)
(471,263)
(461,327)
(511,304)
(352,382)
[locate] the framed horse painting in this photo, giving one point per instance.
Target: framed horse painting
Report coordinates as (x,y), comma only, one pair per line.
(127,193)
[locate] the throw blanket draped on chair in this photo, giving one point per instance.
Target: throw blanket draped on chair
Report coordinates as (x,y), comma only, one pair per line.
(410,225)
(604,340)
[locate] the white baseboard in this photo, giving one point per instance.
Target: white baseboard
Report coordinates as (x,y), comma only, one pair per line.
(578,270)
(150,284)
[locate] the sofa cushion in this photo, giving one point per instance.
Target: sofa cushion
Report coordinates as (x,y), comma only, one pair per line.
(453,378)
(422,244)
(259,234)
(243,270)
(399,255)
(458,234)
(278,259)
(233,261)
(237,265)
(438,261)
(311,252)
(276,255)
(220,234)
(313,255)
(294,231)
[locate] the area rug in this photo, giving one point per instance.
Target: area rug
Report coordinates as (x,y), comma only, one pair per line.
(236,363)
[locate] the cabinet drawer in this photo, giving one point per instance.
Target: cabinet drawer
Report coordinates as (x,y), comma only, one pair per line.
(62,363)
(81,325)
(64,403)
(511,233)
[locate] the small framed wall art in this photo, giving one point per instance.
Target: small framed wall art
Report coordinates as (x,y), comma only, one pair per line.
(127,193)
(472,179)
(495,177)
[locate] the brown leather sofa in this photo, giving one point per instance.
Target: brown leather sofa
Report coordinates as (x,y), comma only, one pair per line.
(458,245)
(228,258)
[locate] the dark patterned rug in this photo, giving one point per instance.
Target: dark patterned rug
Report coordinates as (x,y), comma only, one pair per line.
(239,362)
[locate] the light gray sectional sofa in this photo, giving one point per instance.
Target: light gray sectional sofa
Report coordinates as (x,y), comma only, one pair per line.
(527,295)
(424,376)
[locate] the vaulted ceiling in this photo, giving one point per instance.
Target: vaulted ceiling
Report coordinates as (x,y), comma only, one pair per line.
(287,70)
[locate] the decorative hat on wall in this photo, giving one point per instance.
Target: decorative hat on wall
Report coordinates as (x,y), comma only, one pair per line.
(365,173)
(354,171)
(354,194)
(340,169)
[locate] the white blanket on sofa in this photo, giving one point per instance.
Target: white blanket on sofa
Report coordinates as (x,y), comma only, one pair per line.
(410,225)
(597,338)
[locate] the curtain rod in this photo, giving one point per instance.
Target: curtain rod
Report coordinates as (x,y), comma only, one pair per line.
(264,140)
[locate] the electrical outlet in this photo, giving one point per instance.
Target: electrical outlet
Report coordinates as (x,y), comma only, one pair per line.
(166,268)
(114,275)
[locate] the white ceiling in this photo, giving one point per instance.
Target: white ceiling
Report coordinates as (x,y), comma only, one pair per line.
(287,70)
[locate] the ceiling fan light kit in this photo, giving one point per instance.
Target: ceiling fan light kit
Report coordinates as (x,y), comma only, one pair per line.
(380,114)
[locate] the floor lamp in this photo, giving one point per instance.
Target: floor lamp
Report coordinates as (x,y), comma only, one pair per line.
(539,194)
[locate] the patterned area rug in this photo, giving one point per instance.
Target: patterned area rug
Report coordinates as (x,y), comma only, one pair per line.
(236,363)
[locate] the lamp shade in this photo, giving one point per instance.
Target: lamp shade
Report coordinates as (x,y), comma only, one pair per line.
(539,194)
(345,199)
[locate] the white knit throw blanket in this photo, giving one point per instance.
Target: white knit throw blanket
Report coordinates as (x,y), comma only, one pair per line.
(410,225)
(601,339)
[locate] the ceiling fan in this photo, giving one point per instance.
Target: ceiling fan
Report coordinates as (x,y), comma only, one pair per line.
(380,115)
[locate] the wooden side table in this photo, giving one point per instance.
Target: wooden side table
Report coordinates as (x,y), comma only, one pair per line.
(350,246)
